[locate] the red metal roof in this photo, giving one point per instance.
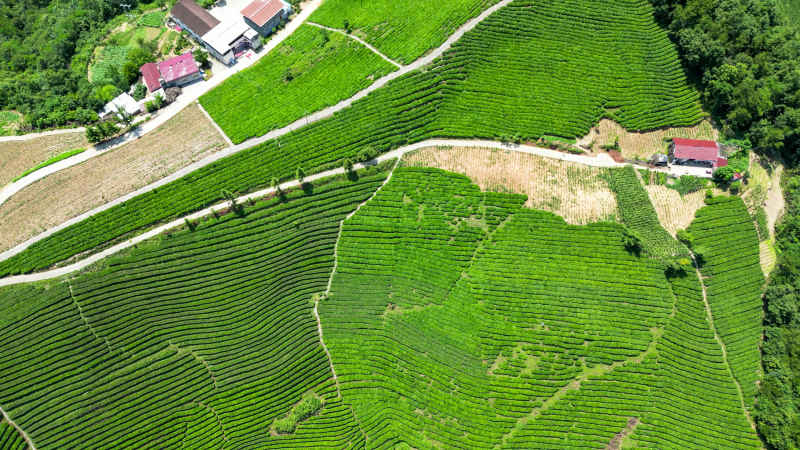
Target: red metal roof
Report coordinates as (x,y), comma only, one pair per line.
(721,162)
(178,67)
(150,76)
(261,11)
(696,149)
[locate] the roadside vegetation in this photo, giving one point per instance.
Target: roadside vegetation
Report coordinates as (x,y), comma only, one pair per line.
(310,70)
(53,160)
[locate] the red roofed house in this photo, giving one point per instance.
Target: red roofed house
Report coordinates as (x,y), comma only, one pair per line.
(264,15)
(693,152)
(151,77)
(179,71)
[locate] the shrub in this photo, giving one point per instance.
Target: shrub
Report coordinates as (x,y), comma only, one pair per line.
(139,91)
(687,184)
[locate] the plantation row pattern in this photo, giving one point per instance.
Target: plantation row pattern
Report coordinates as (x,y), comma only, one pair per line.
(10,439)
(725,235)
(459,95)
(312,69)
(458,318)
(198,340)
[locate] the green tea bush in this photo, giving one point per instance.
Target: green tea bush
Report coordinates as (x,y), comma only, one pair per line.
(196,339)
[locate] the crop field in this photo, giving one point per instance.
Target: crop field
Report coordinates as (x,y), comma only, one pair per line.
(9,122)
(675,212)
(153,19)
(573,191)
(70,192)
(478,89)
(724,234)
(198,339)
(637,212)
(519,331)
(403,31)
(312,69)
(109,57)
(10,439)
(19,156)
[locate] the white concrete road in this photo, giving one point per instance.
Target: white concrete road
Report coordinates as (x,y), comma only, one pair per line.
(601,160)
(190,94)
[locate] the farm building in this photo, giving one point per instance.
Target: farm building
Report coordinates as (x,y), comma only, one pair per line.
(693,152)
(124,101)
(264,15)
(230,38)
(232,32)
(193,18)
(151,77)
(178,71)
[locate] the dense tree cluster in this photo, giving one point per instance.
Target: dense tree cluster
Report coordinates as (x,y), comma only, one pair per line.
(745,56)
(45,50)
(778,407)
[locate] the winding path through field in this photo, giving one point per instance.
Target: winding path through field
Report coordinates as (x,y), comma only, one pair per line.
(717,337)
(359,40)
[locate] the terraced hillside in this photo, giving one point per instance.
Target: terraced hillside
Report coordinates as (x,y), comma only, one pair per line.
(518,330)
(723,233)
(200,340)
(454,97)
(454,318)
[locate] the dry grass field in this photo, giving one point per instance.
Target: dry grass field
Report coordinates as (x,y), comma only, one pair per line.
(675,212)
(185,138)
(18,156)
(643,145)
(573,191)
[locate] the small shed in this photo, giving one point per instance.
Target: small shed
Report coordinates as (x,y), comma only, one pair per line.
(125,101)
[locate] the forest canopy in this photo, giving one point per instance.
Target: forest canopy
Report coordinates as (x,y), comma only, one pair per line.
(745,57)
(45,50)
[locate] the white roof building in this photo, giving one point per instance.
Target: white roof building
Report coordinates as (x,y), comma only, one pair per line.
(123,100)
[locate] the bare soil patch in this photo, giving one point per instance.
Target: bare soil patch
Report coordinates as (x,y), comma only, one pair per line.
(675,212)
(616,442)
(183,139)
(642,145)
(571,190)
(18,156)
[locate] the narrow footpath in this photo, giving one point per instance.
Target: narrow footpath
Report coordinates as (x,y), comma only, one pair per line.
(710,318)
